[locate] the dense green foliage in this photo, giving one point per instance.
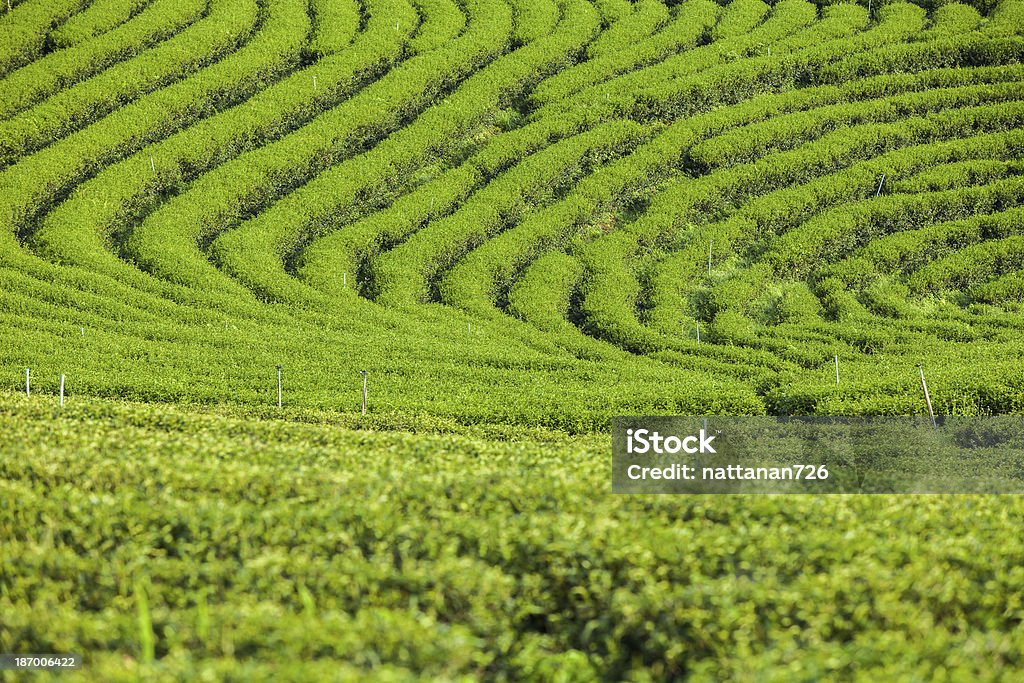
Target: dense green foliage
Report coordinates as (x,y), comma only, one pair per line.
(386,173)
(250,548)
(521,218)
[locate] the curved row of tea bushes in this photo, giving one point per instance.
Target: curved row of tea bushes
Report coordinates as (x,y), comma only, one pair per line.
(327,263)
(672,279)
(25,30)
(404,275)
(475,287)
(159,77)
(442,20)
(687,268)
(63,68)
(693,19)
(957,174)
(832,234)
(479,282)
(134,190)
(647,17)
(166,245)
(335,25)
(99,17)
(503,211)
(743,30)
(34,185)
(263,252)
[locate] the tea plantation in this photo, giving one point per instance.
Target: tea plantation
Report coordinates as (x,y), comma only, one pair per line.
(520,218)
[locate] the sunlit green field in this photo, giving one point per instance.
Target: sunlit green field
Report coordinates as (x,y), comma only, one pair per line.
(182,544)
(515,219)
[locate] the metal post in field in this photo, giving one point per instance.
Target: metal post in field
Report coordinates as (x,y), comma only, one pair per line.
(927,398)
(364,390)
(837,368)
(28,383)
(278,386)
(152,164)
(62,390)
(698,331)
(880,183)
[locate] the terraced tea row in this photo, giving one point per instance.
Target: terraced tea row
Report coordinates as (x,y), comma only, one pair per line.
(530,212)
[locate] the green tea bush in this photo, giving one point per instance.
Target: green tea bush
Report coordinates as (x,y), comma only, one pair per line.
(519,219)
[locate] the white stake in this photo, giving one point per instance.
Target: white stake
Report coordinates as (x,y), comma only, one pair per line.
(62,390)
(344,279)
(83,331)
(152,165)
(710,242)
(314,81)
(278,386)
(469,327)
(927,398)
(879,190)
(28,383)
(698,331)
(837,368)
(364,391)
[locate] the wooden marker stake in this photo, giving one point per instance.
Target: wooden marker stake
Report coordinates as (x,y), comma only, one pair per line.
(364,391)
(278,386)
(927,398)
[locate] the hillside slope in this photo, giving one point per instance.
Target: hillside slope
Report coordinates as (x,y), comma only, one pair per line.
(535,212)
